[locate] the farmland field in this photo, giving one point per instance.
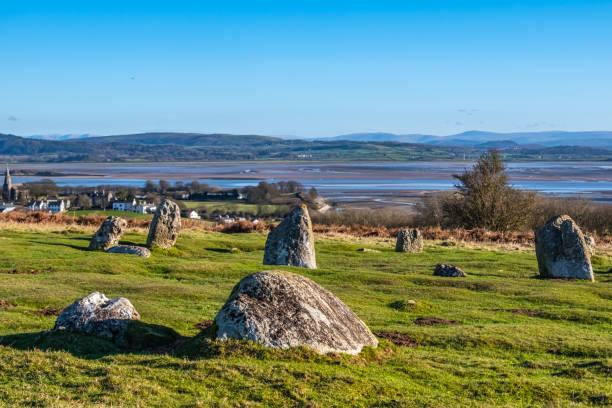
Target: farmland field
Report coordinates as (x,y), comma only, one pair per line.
(506,338)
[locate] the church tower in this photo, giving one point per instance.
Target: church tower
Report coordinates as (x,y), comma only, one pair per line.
(7,187)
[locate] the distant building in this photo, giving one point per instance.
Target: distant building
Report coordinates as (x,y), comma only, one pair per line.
(56,206)
(194,215)
(145,208)
(38,205)
(9,193)
(124,205)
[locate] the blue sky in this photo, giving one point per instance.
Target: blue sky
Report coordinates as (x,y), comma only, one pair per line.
(307,69)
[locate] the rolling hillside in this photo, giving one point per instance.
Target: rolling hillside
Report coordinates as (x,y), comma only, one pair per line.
(158,147)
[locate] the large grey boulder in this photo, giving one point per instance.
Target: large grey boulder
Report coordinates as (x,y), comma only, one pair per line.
(562,250)
(166,225)
(292,242)
(409,241)
(130,249)
(109,234)
(98,316)
(282,310)
(449,271)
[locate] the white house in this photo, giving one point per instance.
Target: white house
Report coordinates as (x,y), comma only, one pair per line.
(124,205)
(145,208)
(194,215)
(38,205)
(56,206)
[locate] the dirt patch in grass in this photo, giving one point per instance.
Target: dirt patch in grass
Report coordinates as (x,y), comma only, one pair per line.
(47,311)
(526,312)
(433,321)
(206,324)
(5,304)
(399,339)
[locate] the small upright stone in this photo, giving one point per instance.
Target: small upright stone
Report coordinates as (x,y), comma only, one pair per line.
(562,250)
(109,234)
(165,226)
(292,242)
(98,316)
(409,241)
(449,271)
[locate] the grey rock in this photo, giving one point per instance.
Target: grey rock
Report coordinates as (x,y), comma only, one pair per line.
(368,250)
(590,241)
(562,250)
(449,271)
(282,310)
(109,234)
(98,316)
(409,241)
(165,226)
(130,249)
(292,242)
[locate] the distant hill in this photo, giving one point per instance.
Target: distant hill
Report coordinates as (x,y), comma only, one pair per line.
(476,137)
(185,139)
(158,147)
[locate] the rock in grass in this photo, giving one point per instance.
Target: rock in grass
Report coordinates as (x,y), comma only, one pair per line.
(109,234)
(292,242)
(409,241)
(562,250)
(449,271)
(368,250)
(165,226)
(98,316)
(282,310)
(130,249)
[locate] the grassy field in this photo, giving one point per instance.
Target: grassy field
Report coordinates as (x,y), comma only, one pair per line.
(554,349)
(231,206)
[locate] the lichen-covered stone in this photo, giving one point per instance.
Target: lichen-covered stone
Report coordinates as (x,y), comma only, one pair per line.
(409,241)
(292,242)
(590,241)
(282,310)
(165,226)
(562,250)
(130,249)
(108,235)
(98,316)
(449,271)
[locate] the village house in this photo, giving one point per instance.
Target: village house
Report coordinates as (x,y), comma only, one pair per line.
(194,215)
(57,206)
(125,205)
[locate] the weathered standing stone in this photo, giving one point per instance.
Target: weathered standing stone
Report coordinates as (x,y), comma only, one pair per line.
(109,234)
(98,316)
(562,251)
(282,310)
(292,242)
(409,241)
(590,241)
(449,271)
(165,226)
(130,249)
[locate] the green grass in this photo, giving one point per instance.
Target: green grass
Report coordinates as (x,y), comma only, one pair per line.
(561,357)
(232,206)
(106,213)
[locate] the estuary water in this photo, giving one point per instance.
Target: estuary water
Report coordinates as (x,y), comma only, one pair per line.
(337,180)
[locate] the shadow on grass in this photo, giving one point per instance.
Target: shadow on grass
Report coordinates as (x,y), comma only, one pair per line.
(140,338)
(80,248)
(149,339)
